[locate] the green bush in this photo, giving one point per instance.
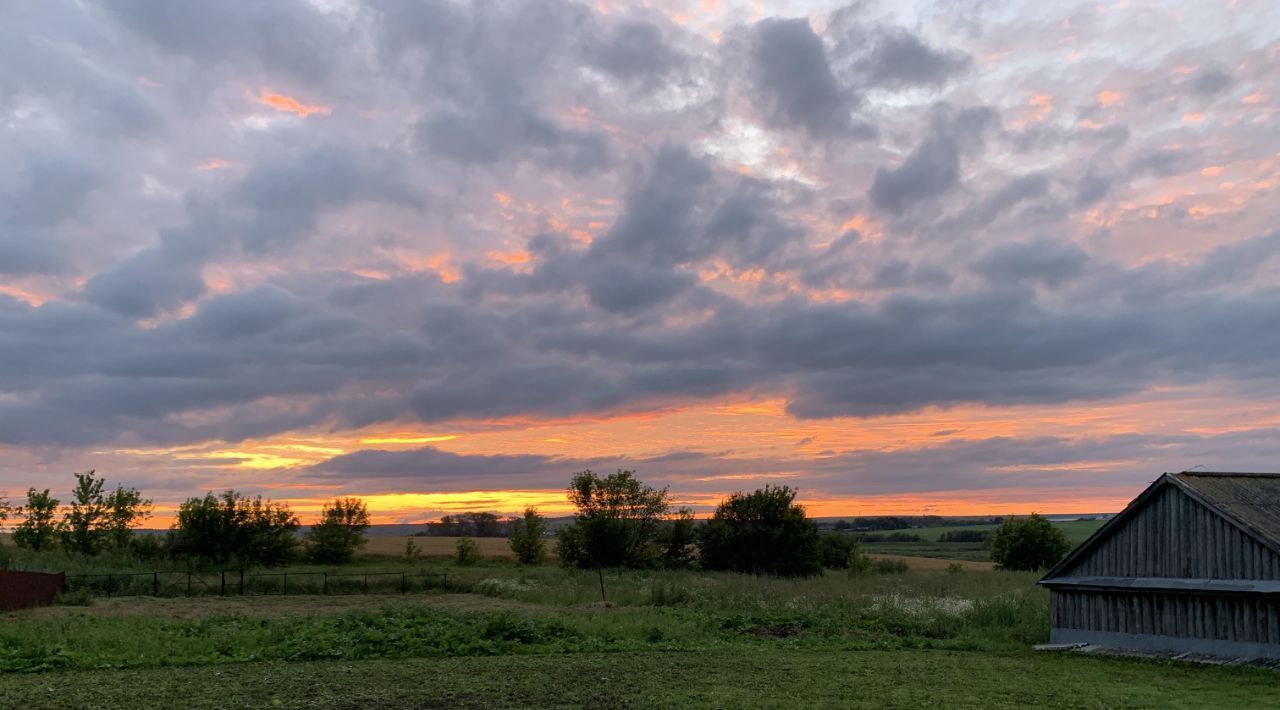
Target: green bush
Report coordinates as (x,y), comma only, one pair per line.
(859,563)
(763,532)
(1028,543)
(468,552)
(835,549)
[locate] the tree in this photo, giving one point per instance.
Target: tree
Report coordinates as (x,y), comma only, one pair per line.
(5,510)
(232,526)
(1028,543)
(617,521)
(676,540)
(526,537)
(763,532)
(125,510)
(339,532)
(82,523)
(37,530)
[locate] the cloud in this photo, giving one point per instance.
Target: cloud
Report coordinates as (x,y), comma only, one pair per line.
(794,84)
(900,59)
(933,167)
(857,220)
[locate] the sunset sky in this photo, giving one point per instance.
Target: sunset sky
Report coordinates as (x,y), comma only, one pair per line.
(923,257)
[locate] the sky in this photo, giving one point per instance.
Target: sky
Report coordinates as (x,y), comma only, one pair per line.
(907,257)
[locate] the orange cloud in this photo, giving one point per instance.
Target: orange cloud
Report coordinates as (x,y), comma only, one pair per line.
(214,164)
(1193,117)
(1255,98)
(1108,97)
(510,258)
(1211,171)
(288,104)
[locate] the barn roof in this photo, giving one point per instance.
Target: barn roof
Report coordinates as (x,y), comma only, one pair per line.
(1250,501)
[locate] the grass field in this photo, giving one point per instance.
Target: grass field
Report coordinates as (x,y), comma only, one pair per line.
(510,636)
(763,677)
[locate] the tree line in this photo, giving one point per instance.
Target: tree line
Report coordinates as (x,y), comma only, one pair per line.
(226,528)
(619,522)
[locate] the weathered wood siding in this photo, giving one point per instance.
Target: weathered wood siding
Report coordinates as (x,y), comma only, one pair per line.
(1248,619)
(1175,536)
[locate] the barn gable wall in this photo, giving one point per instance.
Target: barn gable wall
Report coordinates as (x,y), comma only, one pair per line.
(1174,535)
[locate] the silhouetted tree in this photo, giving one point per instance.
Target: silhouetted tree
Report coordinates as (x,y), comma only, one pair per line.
(232,526)
(763,532)
(126,509)
(38,530)
(335,538)
(617,522)
(526,537)
(82,523)
(1028,543)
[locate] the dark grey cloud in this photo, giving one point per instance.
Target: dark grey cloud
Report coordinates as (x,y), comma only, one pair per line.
(634,51)
(1049,261)
(289,38)
(901,59)
(273,207)
(1210,82)
(51,189)
(933,167)
(794,84)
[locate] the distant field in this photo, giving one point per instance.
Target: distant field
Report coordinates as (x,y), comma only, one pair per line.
(1075,530)
(393,546)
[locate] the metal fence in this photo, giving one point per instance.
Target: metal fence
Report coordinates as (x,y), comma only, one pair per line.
(240,582)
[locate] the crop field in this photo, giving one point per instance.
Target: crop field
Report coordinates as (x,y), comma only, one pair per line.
(510,636)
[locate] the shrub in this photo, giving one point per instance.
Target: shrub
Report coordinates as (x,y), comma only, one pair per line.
(858,562)
(468,552)
(526,537)
(955,568)
(217,529)
(835,549)
(411,549)
(763,532)
(339,532)
(1028,543)
(617,522)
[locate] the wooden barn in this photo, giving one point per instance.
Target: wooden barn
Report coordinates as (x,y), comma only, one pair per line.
(1192,565)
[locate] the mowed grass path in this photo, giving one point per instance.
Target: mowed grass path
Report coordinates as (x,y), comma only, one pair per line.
(781,678)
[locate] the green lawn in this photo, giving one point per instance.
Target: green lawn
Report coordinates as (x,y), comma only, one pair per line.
(766,677)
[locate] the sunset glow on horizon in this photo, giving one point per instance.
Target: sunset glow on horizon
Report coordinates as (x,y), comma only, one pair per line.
(908,259)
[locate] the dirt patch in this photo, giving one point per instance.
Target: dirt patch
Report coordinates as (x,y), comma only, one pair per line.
(274,607)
